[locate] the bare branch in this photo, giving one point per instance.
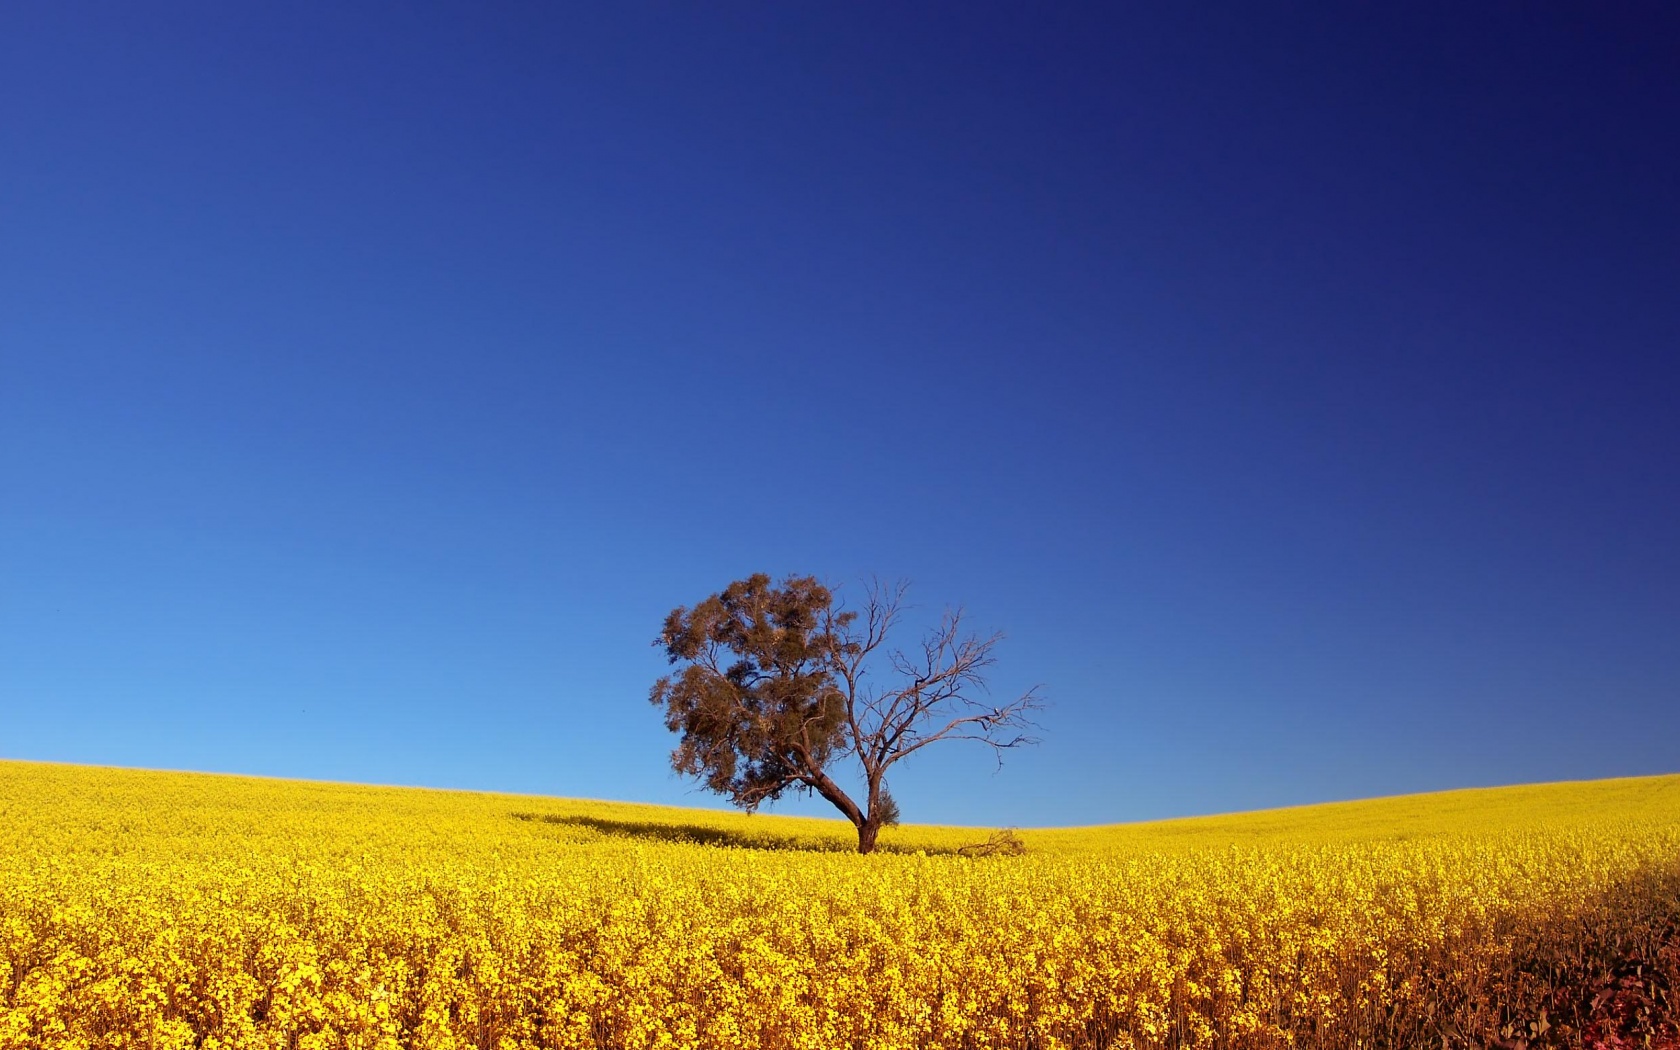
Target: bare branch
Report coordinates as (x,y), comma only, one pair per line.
(990,728)
(941,699)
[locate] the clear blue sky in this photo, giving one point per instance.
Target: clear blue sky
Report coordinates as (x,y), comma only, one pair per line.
(1296,388)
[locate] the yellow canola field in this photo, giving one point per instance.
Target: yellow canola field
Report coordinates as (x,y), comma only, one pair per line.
(155,910)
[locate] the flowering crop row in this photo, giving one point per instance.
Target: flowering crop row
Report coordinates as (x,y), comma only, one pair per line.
(152,910)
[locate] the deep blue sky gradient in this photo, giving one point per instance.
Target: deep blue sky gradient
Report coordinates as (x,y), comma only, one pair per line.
(1295,388)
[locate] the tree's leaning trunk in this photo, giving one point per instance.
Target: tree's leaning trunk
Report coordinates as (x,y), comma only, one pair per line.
(866,835)
(870,826)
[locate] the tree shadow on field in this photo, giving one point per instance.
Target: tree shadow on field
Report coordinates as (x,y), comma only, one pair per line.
(701,835)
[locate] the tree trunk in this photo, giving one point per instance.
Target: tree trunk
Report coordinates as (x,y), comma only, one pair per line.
(870,826)
(866,836)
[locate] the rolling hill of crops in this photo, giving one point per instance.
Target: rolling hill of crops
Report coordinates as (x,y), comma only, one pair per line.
(145,909)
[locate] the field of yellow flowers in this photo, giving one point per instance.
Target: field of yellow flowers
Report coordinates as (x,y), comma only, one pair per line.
(155,910)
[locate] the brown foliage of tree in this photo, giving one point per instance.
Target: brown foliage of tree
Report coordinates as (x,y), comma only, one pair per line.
(774,689)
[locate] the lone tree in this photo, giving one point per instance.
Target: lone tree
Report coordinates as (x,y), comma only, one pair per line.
(772,693)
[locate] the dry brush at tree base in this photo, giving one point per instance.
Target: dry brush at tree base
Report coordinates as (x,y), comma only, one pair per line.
(180,910)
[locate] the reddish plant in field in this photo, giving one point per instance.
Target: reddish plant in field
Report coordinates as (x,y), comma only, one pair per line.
(1630,1007)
